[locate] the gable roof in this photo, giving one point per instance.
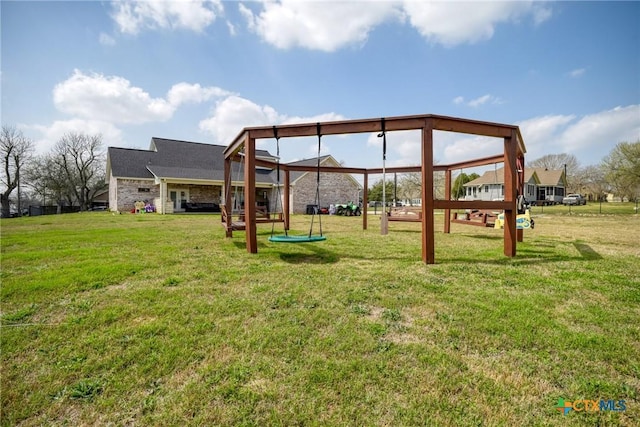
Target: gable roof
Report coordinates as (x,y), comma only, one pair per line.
(170,158)
(296,175)
(549,177)
(541,175)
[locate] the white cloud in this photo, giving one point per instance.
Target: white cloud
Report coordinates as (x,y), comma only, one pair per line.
(453,23)
(107,40)
(330,26)
(234,113)
(131,16)
(577,72)
(317,25)
(403,147)
(50,135)
(232,29)
(589,138)
(484,99)
(113,99)
(479,101)
(108,98)
(183,93)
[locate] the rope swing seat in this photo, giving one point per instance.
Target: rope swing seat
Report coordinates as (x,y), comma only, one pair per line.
(286,238)
(310,237)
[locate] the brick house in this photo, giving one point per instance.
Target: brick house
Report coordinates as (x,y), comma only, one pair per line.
(335,188)
(189,176)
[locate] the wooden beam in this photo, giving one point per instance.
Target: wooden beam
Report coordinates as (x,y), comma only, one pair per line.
(396,169)
(499,158)
(236,145)
(428,235)
(472,127)
(416,122)
(250,194)
(365,201)
(510,189)
(325,169)
(496,205)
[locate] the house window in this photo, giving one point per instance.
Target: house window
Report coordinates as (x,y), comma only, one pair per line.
(486,188)
(143,190)
(502,190)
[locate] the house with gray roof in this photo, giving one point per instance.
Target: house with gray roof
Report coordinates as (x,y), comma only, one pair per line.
(182,176)
(541,186)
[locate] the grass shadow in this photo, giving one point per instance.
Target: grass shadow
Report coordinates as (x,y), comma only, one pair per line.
(587,252)
(319,255)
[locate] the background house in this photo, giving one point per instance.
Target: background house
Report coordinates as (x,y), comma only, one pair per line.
(541,186)
(335,188)
(179,176)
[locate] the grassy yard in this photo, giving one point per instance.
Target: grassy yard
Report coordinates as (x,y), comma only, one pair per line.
(160,320)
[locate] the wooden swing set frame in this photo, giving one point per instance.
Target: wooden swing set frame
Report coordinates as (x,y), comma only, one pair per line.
(513,158)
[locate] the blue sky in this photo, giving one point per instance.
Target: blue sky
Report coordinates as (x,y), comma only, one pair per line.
(568,73)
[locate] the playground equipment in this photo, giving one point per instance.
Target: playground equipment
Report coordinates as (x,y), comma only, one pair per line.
(509,141)
(523,219)
(405,213)
(475,217)
(310,237)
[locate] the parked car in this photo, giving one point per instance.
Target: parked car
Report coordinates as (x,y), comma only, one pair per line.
(574,199)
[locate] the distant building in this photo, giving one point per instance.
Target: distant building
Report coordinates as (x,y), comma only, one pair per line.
(541,186)
(182,176)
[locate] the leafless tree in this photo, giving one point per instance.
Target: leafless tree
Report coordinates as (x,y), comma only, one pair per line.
(16,151)
(566,162)
(79,159)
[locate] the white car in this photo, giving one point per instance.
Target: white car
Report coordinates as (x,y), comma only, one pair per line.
(574,199)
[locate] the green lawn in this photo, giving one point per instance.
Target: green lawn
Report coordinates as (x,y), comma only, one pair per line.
(160,320)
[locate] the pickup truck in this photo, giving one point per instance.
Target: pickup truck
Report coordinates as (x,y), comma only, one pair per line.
(574,199)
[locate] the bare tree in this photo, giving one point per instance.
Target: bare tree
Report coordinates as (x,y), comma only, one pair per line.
(47,180)
(15,151)
(566,162)
(79,159)
(622,168)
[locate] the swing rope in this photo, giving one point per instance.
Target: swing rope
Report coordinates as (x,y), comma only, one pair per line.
(286,238)
(317,200)
(279,197)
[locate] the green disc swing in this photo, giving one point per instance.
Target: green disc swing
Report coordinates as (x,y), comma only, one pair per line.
(310,237)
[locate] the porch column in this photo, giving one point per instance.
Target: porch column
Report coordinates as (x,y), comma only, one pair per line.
(163,197)
(428,239)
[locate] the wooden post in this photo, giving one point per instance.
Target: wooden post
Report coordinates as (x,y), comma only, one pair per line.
(227,196)
(365,201)
(428,238)
(285,203)
(510,189)
(250,193)
(447,196)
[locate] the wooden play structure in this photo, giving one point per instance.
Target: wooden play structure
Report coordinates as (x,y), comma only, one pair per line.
(405,213)
(511,146)
(480,218)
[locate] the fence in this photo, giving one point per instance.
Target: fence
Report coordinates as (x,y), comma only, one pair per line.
(52,210)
